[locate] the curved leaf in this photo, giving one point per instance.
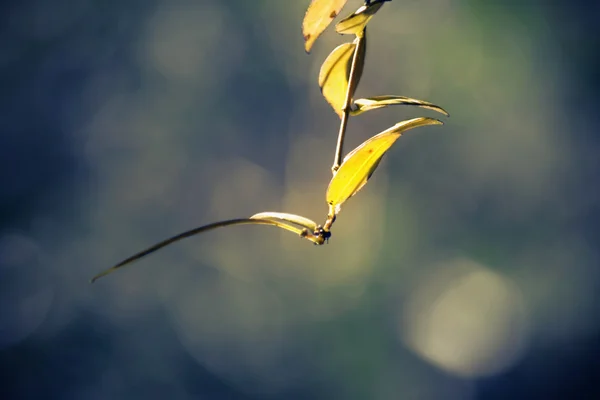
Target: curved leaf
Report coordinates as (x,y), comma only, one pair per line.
(360,163)
(355,23)
(293,218)
(319,15)
(335,72)
(195,231)
(372,103)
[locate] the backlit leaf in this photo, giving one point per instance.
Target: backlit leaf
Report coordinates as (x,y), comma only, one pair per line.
(335,72)
(319,15)
(355,23)
(293,218)
(360,163)
(202,229)
(372,103)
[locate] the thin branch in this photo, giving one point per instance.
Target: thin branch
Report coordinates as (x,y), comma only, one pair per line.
(195,231)
(337,160)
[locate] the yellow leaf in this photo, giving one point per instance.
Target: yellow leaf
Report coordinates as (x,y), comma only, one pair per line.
(360,163)
(335,72)
(293,218)
(372,103)
(355,23)
(319,15)
(205,228)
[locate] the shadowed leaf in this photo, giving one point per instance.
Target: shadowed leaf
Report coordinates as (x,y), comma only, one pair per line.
(360,163)
(319,15)
(335,72)
(355,23)
(293,218)
(195,231)
(372,103)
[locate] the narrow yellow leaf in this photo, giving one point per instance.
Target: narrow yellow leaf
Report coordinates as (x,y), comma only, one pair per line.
(335,72)
(293,218)
(355,23)
(372,103)
(319,15)
(360,163)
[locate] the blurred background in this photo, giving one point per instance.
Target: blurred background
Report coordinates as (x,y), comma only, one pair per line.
(466,269)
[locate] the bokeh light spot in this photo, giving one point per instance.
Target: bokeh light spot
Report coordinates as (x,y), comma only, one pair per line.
(466,319)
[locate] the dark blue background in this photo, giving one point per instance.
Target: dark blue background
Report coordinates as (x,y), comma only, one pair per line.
(65,139)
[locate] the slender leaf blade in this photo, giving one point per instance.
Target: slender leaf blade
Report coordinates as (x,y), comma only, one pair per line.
(355,23)
(293,218)
(375,102)
(360,163)
(319,15)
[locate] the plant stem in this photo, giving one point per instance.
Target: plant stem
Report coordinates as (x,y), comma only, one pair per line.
(239,221)
(337,160)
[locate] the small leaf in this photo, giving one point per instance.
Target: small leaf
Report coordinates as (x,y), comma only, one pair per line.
(360,163)
(293,218)
(319,15)
(372,103)
(335,73)
(205,228)
(355,23)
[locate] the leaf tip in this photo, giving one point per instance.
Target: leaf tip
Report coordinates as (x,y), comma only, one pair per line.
(441,110)
(307,43)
